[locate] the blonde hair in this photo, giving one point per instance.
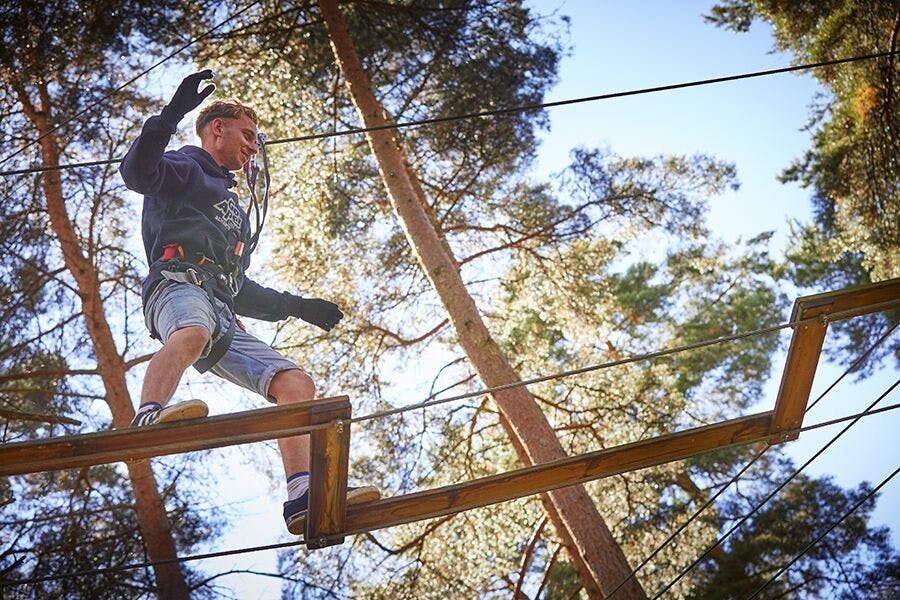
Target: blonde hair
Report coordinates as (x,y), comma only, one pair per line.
(230,108)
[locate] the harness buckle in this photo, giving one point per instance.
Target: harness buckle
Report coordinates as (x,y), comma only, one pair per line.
(195,279)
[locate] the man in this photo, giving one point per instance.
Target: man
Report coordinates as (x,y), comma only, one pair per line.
(198,243)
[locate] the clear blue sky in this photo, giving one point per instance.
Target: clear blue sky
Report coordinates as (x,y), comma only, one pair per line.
(622,45)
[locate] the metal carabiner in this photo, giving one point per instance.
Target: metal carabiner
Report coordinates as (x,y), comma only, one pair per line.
(195,279)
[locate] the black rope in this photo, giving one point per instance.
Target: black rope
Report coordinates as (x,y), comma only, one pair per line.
(859,360)
(828,530)
(845,418)
(854,419)
(149,563)
(610,96)
(118,89)
(510,110)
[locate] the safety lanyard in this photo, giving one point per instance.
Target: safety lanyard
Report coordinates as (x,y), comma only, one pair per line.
(251,172)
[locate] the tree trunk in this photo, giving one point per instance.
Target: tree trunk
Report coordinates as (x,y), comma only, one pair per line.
(600,562)
(151,513)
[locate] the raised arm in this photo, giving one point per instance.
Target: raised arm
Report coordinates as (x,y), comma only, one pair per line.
(143,169)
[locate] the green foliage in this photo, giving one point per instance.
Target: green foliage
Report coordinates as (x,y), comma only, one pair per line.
(27,292)
(84,519)
(852,166)
(851,558)
(56,60)
(562,582)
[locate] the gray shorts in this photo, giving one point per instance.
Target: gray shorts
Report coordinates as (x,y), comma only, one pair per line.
(249,362)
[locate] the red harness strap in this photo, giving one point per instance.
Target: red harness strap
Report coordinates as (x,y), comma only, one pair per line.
(169,251)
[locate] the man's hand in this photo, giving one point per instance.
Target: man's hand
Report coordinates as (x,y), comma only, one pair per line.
(186,97)
(321,313)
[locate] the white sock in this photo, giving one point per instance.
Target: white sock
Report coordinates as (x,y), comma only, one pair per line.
(297,484)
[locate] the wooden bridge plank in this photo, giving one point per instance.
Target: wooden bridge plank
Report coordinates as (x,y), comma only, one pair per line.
(797,378)
(850,302)
(541,478)
(808,339)
(103,447)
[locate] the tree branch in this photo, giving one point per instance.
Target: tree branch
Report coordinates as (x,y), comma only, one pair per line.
(47,374)
(526,556)
(405,341)
(24,416)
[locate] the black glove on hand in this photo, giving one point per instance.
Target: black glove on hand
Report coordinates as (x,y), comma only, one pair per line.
(321,313)
(186,97)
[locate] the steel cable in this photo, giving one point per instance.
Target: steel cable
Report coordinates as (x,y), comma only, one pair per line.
(746,467)
(503,111)
(854,419)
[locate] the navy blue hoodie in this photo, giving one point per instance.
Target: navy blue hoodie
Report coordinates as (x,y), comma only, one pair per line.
(188,200)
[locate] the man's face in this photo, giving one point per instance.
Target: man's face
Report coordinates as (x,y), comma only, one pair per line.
(231,141)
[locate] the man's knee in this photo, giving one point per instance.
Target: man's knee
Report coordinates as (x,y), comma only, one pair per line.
(190,341)
(292,385)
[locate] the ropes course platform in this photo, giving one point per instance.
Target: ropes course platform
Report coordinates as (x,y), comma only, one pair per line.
(328,421)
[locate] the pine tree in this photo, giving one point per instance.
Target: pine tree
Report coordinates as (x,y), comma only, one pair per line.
(851,167)
(71,282)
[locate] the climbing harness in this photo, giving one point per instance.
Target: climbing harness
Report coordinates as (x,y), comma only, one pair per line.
(201,274)
(204,272)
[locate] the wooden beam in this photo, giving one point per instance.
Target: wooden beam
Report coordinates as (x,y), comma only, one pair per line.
(850,302)
(157,440)
(797,378)
(329,458)
(806,344)
(548,476)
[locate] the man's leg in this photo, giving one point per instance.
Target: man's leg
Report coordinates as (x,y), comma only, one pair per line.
(164,372)
(182,315)
(167,366)
(289,387)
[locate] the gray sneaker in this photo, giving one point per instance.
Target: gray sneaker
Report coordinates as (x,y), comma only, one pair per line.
(190,409)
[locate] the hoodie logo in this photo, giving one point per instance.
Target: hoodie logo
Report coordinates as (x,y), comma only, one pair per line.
(229,215)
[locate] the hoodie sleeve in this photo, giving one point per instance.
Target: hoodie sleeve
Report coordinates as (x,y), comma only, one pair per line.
(260,302)
(145,169)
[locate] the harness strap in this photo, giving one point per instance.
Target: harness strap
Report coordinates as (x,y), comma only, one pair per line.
(218,350)
(203,279)
(189,275)
(169,251)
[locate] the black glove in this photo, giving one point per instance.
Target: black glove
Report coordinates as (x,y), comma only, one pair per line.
(186,97)
(321,313)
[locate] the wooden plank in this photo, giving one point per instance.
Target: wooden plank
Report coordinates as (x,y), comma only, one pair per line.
(797,378)
(850,302)
(329,462)
(806,344)
(157,440)
(541,478)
